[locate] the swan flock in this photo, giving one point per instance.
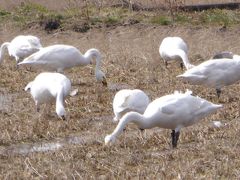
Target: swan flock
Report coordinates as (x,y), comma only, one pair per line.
(173,111)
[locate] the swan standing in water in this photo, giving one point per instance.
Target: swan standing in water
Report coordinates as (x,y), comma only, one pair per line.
(21,47)
(60,57)
(127,100)
(48,87)
(174,48)
(215,73)
(173,111)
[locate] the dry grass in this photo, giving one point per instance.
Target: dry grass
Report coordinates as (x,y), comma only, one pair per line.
(62,4)
(130,58)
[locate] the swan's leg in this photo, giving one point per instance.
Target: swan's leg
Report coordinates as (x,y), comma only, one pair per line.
(166,64)
(181,65)
(142,133)
(175,137)
(37,107)
(218,91)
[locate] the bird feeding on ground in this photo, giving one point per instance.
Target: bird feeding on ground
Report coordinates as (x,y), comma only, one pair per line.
(174,48)
(21,47)
(47,87)
(127,100)
(214,73)
(60,57)
(173,111)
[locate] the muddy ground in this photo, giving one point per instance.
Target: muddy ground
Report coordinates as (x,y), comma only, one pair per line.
(41,146)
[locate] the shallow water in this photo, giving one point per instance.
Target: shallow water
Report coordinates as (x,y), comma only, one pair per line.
(53,145)
(23,149)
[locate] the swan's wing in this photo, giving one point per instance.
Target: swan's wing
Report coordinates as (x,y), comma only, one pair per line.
(169,109)
(123,103)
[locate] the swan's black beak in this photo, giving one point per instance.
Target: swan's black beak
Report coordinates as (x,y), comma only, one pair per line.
(104,81)
(63,118)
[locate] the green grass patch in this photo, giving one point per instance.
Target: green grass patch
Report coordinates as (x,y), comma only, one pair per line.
(217,16)
(161,20)
(27,14)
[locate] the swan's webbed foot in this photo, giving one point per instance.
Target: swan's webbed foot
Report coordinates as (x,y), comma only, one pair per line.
(175,137)
(37,108)
(218,91)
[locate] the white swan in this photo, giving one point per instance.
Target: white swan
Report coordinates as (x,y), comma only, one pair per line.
(127,100)
(60,57)
(215,73)
(48,87)
(21,47)
(174,48)
(173,111)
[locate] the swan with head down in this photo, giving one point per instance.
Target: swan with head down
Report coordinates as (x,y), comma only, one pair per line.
(127,100)
(173,111)
(214,73)
(60,57)
(174,48)
(20,47)
(48,87)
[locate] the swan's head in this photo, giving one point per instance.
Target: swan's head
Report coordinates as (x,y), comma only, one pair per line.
(109,139)
(61,112)
(100,76)
(28,86)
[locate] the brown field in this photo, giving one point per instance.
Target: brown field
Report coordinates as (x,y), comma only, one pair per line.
(9,4)
(41,146)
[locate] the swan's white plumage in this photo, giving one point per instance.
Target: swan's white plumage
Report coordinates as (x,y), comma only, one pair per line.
(214,73)
(174,48)
(173,111)
(60,57)
(48,87)
(21,47)
(127,100)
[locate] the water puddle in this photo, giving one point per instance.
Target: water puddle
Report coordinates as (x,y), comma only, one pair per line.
(24,149)
(5,101)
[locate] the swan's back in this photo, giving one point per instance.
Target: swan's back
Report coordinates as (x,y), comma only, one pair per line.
(55,57)
(178,110)
(129,100)
(170,44)
(23,46)
(214,73)
(46,86)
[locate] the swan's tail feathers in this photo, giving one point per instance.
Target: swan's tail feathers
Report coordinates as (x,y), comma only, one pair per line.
(188,92)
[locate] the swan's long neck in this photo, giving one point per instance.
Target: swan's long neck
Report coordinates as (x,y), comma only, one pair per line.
(4,46)
(184,58)
(59,103)
(133,117)
(93,53)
